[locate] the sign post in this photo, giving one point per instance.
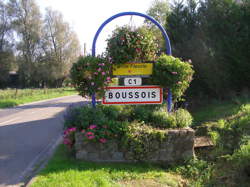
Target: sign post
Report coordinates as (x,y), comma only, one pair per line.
(167,43)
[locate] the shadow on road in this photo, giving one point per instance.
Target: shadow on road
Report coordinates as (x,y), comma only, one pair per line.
(23,145)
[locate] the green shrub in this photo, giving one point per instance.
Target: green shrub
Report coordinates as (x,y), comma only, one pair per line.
(141,140)
(241,157)
(199,171)
(82,117)
(171,72)
(183,118)
(160,118)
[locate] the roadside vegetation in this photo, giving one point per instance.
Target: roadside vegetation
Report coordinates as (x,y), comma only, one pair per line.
(14,97)
(225,164)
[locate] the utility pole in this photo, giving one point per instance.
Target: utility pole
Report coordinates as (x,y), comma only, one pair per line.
(85,49)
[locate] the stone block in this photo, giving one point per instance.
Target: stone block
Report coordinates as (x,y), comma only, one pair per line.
(118,156)
(93,156)
(105,155)
(82,155)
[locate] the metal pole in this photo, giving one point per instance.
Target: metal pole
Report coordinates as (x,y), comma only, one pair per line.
(168,46)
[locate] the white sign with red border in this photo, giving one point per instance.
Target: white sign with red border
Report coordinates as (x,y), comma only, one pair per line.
(133,95)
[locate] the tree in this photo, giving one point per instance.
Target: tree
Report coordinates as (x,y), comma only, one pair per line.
(159,10)
(6,53)
(27,22)
(60,47)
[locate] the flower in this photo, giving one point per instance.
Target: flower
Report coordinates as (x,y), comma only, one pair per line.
(67,141)
(89,134)
(83,131)
(174,73)
(108,78)
(96,73)
(92,126)
(92,83)
(103,73)
(91,137)
(72,129)
(102,140)
(99,69)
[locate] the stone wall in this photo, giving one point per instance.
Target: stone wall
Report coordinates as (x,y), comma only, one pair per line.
(178,145)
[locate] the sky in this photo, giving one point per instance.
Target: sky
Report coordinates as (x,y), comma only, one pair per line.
(86,16)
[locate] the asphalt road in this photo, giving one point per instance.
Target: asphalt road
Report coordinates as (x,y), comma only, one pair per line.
(27,134)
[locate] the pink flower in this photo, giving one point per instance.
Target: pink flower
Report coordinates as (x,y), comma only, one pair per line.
(92,126)
(108,78)
(91,137)
(89,134)
(189,61)
(89,77)
(99,88)
(103,140)
(96,73)
(66,132)
(66,141)
(99,64)
(99,69)
(103,64)
(83,131)
(92,83)
(72,129)
(179,82)
(103,73)
(174,73)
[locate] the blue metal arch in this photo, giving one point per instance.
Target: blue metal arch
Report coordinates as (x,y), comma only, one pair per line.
(167,43)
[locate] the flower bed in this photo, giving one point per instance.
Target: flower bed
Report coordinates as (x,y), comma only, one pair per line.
(129,133)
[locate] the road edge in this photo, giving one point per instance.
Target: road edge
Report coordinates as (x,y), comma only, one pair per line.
(31,172)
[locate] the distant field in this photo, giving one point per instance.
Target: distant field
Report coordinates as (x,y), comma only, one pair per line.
(14,97)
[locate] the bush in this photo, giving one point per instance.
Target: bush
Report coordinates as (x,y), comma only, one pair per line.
(91,75)
(183,118)
(141,140)
(171,72)
(131,45)
(137,126)
(158,117)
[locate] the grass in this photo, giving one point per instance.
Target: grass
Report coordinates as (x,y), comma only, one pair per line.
(228,124)
(63,170)
(14,97)
(226,164)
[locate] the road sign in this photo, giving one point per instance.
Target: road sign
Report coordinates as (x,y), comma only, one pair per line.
(133,81)
(133,95)
(132,69)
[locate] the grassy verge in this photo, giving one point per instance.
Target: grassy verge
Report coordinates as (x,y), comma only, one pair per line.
(228,124)
(64,170)
(226,164)
(14,97)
